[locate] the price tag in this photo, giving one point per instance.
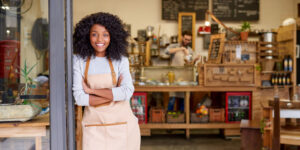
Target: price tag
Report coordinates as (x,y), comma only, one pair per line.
(238,52)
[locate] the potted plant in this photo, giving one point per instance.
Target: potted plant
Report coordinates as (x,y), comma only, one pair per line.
(245,28)
(23,108)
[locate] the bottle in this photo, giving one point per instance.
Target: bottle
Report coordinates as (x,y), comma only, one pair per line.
(285,63)
(288,80)
(275,79)
(290,62)
(284,79)
(279,79)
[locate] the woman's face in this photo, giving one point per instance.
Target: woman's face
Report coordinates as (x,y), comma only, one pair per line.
(99,39)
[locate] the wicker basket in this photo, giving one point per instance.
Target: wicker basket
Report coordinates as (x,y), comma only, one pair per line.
(268,65)
(199,119)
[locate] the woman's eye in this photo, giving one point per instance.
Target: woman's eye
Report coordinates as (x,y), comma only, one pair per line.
(94,34)
(106,35)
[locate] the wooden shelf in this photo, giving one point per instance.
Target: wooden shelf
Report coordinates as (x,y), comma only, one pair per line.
(190,126)
(190,88)
(270,87)
(270,72)
(265,43)
(267,48)
(269,54)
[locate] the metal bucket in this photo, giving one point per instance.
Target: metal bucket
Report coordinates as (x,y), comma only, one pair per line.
(269,37)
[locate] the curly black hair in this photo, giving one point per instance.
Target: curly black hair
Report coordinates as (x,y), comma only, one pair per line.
(118,36)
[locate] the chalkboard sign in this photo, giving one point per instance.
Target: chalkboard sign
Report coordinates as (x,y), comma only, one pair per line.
(216,48)
(186,22)
(236,10)
(171,8)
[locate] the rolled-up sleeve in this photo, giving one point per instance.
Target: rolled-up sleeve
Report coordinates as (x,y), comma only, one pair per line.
(126,88)
(81,98)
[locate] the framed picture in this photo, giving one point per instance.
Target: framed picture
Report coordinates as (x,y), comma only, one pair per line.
(186,22)
(216,48)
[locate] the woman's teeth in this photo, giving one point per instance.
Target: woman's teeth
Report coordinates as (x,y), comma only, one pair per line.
(100,45)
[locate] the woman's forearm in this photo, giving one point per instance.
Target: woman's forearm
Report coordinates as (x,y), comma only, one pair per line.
(95,100)
(105,93)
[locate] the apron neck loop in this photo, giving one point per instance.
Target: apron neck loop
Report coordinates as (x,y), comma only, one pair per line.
(87,64)
(113,74)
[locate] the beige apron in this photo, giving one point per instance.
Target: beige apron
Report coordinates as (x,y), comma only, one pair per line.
(110,126)
(178,59)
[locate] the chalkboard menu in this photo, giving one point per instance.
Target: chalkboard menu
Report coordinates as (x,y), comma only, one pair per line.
(186,22)
(236,10)
(216,48)
(171,8)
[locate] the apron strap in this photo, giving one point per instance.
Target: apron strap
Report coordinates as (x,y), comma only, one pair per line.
(113,74)
(87,65)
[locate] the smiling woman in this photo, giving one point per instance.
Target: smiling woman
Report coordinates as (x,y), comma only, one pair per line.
(102,83)
(99,39)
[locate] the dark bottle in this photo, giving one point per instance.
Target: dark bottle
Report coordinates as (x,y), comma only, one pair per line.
(290,62)
(279,79)
(288,80)
(273,79)
(285,63)
(284,79)
(276,79)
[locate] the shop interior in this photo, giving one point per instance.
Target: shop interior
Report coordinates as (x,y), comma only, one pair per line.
(239,87)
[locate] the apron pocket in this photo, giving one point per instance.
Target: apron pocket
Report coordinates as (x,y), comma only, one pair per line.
(115,135)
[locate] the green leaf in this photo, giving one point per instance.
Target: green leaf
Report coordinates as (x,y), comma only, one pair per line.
(25,67)
(32,68)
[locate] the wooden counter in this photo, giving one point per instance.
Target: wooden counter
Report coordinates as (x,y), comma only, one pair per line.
(190,89)
(33,128)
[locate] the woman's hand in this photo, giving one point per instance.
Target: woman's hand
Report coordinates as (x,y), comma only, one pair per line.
(86,88)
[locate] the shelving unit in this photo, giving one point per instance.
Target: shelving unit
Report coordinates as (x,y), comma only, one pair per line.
(229,128)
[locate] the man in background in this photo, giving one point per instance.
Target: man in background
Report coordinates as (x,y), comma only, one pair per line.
(180,54)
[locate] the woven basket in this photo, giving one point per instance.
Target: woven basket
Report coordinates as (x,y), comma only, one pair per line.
(268,65)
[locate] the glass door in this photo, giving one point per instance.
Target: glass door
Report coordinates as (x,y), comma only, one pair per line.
(238,106)
(24,75)
(35,86)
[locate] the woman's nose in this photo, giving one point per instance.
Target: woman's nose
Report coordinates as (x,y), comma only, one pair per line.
(100,38)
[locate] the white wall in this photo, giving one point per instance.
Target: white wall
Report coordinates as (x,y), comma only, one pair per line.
(28,52)
(141,13)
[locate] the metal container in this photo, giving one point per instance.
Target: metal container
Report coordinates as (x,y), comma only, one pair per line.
(269,51)
(269,57)
(149,31)
(269,37)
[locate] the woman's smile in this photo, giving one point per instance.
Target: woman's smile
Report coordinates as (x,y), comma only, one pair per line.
(99,39)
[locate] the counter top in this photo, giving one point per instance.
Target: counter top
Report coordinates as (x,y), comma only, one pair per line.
(189,88)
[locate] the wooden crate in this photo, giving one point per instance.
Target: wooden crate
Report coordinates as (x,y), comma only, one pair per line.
(229,75)
(197,119)
(216,115)
(157,115)
(175,118)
